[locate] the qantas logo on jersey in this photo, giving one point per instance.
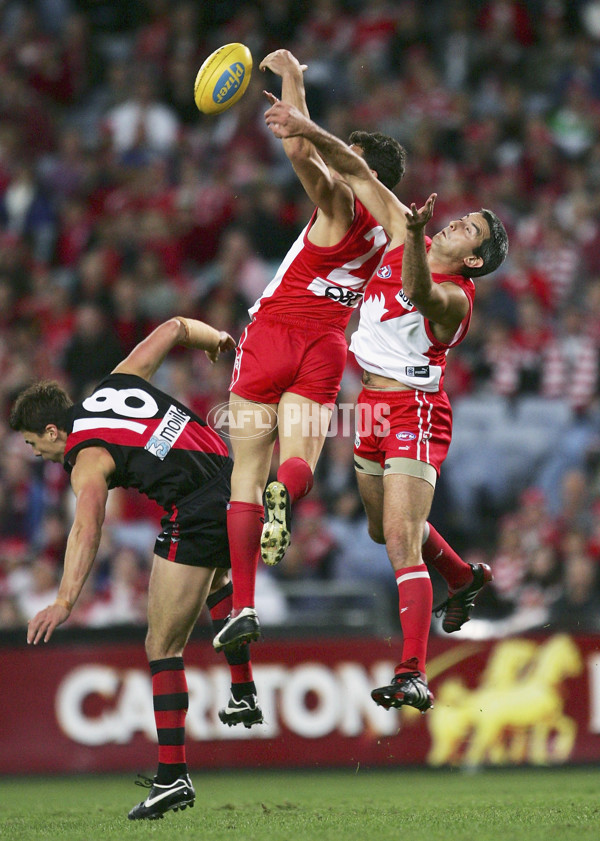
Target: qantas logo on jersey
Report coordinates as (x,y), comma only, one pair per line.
(404,300)
(343,296)
(340,294)
(345,284)
(167,432)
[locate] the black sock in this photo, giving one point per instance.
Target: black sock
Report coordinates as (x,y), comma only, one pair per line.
(167,774)
(238,690)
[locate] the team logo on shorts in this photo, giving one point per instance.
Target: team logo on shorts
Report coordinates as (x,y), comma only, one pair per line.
(384,272)
(405,436)
(357,440)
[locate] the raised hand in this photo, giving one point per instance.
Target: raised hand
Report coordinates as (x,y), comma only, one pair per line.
(416,219)
(281,61)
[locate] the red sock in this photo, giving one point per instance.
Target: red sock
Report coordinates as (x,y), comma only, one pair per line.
(415,599)
(219,605)
(170,692)
(297,477)
(444,559)
(244,528)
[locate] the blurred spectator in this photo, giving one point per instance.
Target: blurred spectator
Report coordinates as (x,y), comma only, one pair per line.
(312,549)
(158,296)
(542,586)
(66,172)
(11,617)
(142,123)
(572,366)
(578,609)
(268,219)
(26,212)
(21,496)
(93,350)
(41,590)
(123,599)
(127,319)
(52,536)
(232,282)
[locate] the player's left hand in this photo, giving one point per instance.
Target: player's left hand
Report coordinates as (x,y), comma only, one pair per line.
(417,219)
(226,342)
(44,623)
(280,61)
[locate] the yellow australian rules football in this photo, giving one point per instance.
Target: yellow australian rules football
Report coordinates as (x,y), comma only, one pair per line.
(223,78)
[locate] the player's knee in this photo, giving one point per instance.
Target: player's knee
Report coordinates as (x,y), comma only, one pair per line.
(160,645)
(248,484)
(402,550)
(221,579)
(376,533)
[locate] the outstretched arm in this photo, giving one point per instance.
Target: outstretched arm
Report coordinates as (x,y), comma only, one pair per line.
(146,357)
(285,120)
(444,304)
(89,480)
(333,198)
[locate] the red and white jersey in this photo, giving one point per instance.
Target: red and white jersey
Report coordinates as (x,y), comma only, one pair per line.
(326,283)
(393,339)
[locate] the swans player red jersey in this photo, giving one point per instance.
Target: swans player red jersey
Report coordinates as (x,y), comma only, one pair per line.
(296,340)
(393,339)
(159,446)
(326,283)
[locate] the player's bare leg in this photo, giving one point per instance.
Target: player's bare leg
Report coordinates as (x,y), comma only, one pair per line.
(303,425)
(176,596)
(370,488)
(457,608)
(253,432)
(406,502)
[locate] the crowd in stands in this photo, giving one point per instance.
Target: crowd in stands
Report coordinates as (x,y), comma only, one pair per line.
(121,205)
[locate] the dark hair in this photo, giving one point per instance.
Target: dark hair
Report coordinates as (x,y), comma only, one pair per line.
(42,403)
(493,250)
(383,154)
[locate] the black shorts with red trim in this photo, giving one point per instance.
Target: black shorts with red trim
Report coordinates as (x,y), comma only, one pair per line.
(195,531)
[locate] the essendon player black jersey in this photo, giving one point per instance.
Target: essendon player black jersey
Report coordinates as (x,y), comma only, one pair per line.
(159,446)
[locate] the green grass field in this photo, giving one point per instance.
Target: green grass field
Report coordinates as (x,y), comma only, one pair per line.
(361,805)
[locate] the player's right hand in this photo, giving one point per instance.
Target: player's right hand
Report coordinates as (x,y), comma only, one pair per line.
(226,342)
(281,60)
(283,119)
(42,626)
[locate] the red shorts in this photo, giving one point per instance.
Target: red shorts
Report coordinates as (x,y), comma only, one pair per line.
(403,424)
(282,354)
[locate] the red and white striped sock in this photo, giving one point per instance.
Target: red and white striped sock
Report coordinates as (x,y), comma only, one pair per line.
(415,599)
